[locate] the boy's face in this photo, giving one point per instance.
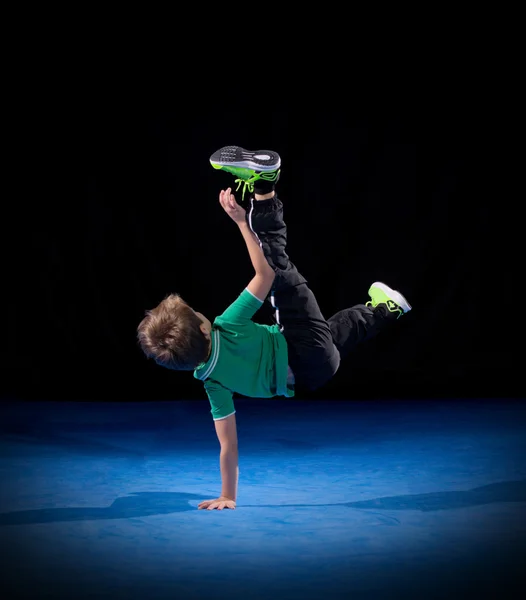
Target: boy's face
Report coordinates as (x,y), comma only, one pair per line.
(206,326)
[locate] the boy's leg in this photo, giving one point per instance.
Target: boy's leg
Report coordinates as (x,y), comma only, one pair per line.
(313,356)
(265,218)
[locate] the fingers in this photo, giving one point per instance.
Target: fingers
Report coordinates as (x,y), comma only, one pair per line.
(222,505)
(227,199)
(216,505)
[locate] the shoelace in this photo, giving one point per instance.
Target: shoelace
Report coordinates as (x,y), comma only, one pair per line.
(248,184)
(393,307)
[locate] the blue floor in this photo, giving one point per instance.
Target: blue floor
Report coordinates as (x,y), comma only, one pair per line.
(372,499)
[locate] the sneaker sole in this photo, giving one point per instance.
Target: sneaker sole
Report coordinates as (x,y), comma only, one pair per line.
(235,156)
(394,295)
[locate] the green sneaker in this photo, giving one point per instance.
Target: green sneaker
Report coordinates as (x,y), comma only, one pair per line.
(383,294)
(249,167)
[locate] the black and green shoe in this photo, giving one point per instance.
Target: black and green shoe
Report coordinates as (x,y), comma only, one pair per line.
(393,300)
(258,169)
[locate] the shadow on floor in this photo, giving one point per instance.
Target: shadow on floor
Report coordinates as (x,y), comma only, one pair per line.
(139,504)
(145,504)
(506,491)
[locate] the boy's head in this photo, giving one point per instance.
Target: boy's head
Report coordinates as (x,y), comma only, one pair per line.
(174,335)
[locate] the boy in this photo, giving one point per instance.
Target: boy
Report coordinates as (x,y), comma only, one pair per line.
(234,354)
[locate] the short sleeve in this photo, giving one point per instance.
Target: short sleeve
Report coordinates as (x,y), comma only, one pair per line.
(243,309)
(220,399)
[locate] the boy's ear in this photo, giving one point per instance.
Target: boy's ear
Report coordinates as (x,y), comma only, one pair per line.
(205,331)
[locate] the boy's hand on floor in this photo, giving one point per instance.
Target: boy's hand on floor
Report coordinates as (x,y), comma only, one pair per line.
(218,503)
(233,210)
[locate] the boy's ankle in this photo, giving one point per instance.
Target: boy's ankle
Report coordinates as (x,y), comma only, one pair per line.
(264,196)
(264,186)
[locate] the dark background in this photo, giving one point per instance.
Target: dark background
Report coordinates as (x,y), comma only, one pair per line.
(122,208)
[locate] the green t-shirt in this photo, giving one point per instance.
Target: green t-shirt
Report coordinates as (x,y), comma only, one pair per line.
(246,358)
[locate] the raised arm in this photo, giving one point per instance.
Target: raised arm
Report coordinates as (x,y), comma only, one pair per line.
(260,285)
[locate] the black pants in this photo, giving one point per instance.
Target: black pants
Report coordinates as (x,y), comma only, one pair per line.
(315,345)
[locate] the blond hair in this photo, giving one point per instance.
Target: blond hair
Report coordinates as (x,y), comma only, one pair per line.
(171,335)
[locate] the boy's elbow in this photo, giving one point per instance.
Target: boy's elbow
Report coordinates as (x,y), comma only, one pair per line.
(266,273)
(229,447)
